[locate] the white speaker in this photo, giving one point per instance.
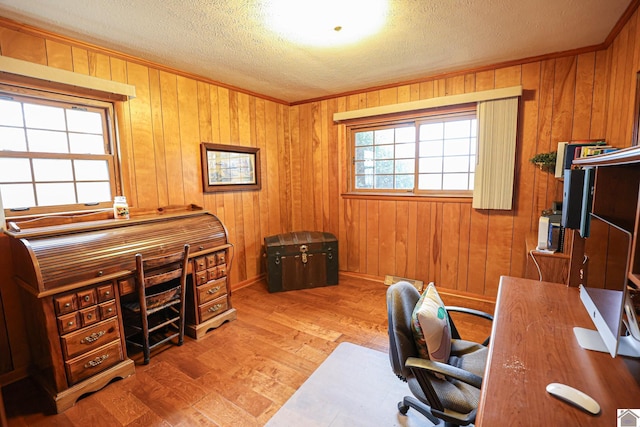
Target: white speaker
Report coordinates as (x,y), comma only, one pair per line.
(543,232)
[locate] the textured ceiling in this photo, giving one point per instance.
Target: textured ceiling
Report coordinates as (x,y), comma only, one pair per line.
(225,40)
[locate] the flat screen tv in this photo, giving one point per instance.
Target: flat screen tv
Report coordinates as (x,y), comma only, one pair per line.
(604,293)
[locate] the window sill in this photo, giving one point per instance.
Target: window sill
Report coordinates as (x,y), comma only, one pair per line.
(466,197)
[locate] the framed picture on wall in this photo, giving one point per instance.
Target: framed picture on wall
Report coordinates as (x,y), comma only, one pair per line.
(229,167)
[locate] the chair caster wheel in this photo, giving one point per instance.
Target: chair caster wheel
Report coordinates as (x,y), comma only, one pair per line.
(402,408)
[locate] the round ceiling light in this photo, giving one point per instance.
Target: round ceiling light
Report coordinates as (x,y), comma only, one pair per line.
(325,22)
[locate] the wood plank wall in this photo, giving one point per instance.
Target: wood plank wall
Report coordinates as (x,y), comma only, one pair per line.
(590,95)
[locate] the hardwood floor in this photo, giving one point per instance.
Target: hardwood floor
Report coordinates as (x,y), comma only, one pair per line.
(241,373)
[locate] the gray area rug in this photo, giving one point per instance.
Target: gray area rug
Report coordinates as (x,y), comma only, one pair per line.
(354,386)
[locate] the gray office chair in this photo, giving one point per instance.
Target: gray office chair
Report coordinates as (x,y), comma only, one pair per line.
(449,401)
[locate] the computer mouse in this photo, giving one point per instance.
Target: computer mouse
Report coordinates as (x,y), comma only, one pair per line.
(574,396)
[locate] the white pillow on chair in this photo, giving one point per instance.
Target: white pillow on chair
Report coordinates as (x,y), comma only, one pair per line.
(431,326)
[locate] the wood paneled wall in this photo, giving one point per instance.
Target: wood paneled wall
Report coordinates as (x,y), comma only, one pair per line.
(447,241)
(590,95)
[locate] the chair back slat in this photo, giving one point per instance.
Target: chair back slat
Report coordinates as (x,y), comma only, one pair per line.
(161,277)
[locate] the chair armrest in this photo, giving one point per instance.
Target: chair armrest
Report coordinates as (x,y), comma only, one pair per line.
(444,369)
(470,311)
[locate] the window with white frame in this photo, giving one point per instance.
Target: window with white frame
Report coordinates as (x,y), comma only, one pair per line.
(56,153)
(431,155)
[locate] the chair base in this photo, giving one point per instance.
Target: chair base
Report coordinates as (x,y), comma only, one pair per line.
(412,402)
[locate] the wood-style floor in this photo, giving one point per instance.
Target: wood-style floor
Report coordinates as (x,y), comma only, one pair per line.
(241,373)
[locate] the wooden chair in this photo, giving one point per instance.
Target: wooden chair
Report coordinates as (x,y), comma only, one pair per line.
(158,315)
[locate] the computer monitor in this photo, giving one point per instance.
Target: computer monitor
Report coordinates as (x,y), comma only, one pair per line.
(604,295)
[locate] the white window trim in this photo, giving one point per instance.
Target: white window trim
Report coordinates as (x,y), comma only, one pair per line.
(42,72)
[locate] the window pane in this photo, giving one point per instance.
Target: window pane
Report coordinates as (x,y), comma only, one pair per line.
(406,151)
(364,181)
(44,117)
(472,163)
(431,164)
(82,143)
(474,127)
(93,192)
(406,134)
(36,125)
(91,170)
(454,147)
(11,113)
(457,129)
(384,181)
(364,138)
(405,166)
(12,139)
(384,136)
(447,147)
(430,182)
(431,131)
(384,152)
(52,170)
(17,196)
(471,179)
(456,164)
(364,153)
(44,141)
(384,166)
(455,181)
(55,194)
(431,148)
(84,121)
(15,170)
(364,167)
(404,182)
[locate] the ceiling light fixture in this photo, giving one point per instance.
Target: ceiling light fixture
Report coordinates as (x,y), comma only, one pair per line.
(325,22)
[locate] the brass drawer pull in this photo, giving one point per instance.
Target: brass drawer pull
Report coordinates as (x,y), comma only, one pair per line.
(213,290)
(87,298)
(92,338)
(97,361)
(67,305)
(215,308)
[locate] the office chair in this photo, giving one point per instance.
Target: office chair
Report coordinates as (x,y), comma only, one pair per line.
(158,314)
(451,399)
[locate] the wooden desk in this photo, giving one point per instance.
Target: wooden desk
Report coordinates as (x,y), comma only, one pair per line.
(533,345)
(74,274)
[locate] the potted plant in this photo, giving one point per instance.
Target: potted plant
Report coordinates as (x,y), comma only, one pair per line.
(545,161)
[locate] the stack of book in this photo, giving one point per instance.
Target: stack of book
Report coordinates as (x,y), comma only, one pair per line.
(568,151)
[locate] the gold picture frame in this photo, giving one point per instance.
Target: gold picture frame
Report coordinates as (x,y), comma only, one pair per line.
(229,167)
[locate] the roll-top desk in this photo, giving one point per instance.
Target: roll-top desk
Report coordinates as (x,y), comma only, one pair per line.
(74,275)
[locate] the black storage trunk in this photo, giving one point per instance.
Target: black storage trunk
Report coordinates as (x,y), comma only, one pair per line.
(300,260)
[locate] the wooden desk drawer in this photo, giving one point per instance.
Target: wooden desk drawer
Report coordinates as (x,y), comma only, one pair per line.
(86,298)
(65,304)
(89,338)
(127,286)
(200,263)
(212,290)
(90,315)
(105,293)
(212,308)
(201,278)
(68,323)
(108,309)
(93,362)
